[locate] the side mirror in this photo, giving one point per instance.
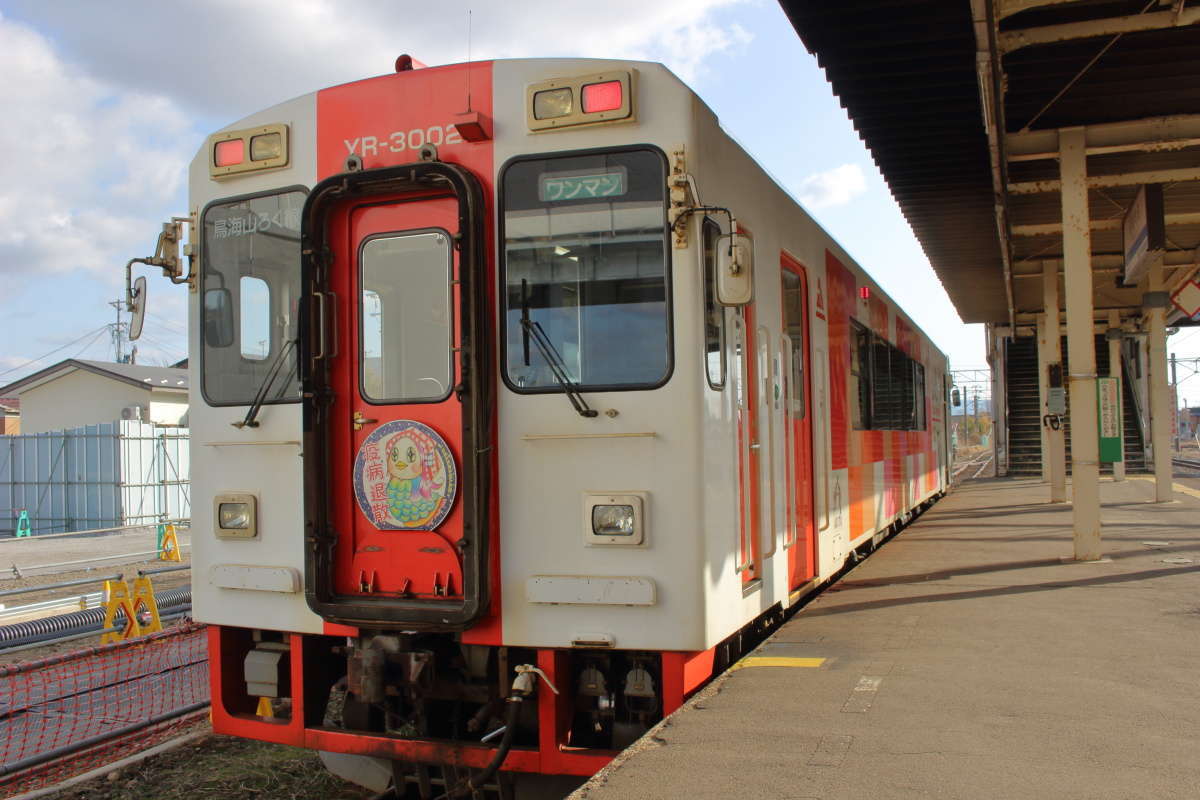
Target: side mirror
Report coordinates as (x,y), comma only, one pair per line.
(955,398)
(137,307)
(218,318)
(735,270)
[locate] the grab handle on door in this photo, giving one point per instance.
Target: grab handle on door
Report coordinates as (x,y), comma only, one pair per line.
(360,421)
(320,317)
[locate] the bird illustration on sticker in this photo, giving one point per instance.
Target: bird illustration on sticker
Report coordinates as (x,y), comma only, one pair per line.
(405,477)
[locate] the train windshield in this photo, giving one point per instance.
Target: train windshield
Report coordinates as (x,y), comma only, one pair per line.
(585,262)
(251,287)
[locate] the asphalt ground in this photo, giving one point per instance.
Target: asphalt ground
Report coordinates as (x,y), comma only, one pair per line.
(970,657)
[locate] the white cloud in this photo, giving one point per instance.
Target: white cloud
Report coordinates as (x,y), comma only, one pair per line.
(86,164)
(105,104)
(833,187)
(228,58)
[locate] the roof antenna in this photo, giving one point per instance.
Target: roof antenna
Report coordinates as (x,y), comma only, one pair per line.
(468,58)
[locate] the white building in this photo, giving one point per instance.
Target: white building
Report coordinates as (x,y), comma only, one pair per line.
(76,392)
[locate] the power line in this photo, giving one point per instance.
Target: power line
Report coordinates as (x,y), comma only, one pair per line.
(42,357)
(83,349)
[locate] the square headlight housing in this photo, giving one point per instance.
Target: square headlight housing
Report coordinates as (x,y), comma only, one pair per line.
(235,515)
(615,518)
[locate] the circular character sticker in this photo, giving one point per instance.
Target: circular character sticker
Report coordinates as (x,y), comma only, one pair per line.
(404,477)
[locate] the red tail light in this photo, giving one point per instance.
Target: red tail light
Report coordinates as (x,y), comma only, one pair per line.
(230,152)
(602,96)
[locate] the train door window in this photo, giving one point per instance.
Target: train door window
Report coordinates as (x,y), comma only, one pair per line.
(714,312)
(254,315)
(404,313)
(860,376)
(793,320)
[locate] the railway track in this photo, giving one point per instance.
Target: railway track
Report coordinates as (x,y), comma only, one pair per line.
(1186,463)
(980,463)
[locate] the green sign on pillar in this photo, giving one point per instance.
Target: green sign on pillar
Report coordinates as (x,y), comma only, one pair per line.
(1109,419)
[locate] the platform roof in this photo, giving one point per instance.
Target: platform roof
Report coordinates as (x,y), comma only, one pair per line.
(960,103)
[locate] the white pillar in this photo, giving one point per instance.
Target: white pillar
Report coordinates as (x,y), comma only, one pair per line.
(1114,371)
(1081,345)
(1056,441)
(1043,397)
(1160,402)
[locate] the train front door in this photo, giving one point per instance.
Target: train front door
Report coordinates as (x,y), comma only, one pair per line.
(799,532)
(404,415)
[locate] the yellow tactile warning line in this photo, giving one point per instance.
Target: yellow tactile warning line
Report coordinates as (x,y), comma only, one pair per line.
(1178,487)
(776,661)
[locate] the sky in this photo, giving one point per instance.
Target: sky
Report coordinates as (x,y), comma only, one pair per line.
(106,103)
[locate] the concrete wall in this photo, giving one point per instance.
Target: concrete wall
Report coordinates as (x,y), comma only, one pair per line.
(84,398)
(168,408)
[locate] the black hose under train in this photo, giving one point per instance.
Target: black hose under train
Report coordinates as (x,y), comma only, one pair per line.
(84,621)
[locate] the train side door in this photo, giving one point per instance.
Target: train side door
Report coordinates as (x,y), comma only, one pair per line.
(400,403)
(749,445)
(799,532)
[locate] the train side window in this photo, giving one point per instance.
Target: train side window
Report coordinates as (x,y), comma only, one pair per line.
(793,322)
(919,396)
(714,313)
(860,376)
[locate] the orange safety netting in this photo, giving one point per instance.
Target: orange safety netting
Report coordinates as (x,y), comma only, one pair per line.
(68,713)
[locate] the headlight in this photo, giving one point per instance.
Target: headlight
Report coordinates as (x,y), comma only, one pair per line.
(235,516)
(612,520)
(552,103)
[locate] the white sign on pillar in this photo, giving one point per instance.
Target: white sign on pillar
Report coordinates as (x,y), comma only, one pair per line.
(1187,298)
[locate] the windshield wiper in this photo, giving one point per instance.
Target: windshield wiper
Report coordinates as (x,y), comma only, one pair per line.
(533,330)
(268,381)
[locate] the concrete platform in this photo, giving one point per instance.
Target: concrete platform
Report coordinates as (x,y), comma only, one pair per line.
(965,659)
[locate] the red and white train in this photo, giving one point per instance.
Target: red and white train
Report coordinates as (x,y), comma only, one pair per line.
(522,395)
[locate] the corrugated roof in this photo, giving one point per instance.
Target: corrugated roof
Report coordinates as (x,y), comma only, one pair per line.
(904,70)
(907,72)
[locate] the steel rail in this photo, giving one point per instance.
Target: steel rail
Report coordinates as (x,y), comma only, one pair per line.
(160,570)
(93,560)
(60,585)
(65,750)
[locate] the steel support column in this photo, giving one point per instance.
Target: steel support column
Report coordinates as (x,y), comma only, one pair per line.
(1081,344)
(1160,403)
(1055,455)
(1114,371)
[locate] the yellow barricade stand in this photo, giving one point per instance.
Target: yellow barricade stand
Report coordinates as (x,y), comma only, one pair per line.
(117,598)
(138,604)
(168,546)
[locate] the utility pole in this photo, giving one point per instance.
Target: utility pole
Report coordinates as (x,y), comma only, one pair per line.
(116,332)
(1175,410)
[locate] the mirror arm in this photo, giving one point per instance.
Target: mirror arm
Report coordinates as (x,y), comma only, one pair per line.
(684,213)
(129,280)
